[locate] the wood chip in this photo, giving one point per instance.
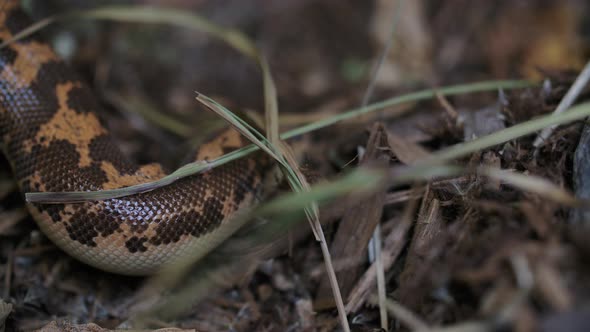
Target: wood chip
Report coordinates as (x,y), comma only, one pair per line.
(356,229)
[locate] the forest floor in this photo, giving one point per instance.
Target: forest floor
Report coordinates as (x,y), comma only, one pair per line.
(491,244)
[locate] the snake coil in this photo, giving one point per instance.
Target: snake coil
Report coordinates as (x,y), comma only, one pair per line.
(54,141)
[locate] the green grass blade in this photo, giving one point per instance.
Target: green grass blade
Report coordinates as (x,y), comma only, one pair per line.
(410,97)
(435,164)
(197,167)
(578,112)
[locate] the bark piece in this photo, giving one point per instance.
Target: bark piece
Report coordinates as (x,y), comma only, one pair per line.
(355,230)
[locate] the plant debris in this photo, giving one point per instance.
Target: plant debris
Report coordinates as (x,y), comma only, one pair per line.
(500,244)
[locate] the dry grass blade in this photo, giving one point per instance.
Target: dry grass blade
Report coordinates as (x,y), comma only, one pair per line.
(531,183)
(295,178)
(240,125)
(270,103)
(534,184)
(313,210)
(333,282)
(298,182)
(284,156)
(405,316)
(280,153)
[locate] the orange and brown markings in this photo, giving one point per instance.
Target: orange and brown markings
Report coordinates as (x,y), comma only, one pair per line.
(191,208)
(56,168)
(226,141)
(28,56)
(115,179)
(67,124)
(24,69)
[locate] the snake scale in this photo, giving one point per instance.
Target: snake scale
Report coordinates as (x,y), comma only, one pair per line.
(55,142)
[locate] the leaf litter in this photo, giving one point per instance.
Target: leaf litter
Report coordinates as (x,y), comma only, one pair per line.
(480,246)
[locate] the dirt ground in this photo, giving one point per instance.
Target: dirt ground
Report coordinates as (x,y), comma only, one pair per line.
(464,252)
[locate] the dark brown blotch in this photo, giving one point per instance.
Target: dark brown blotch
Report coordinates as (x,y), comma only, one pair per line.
(81,228)
(57,165)
(84,226)
(81,100)
(16,21)
(243,187)
(191,222)
(212,216)
(103,148)
(53,210)
(136,244)
(7,56)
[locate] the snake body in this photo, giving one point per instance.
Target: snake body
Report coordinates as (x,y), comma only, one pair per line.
(55,142)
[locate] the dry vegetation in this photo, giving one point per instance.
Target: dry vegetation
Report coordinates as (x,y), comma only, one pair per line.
(484,241)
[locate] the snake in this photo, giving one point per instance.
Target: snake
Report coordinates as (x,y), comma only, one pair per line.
(55,141)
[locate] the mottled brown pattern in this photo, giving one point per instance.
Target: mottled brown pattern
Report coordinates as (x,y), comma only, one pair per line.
(51,134)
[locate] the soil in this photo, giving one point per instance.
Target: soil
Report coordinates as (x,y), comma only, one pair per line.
(463,251)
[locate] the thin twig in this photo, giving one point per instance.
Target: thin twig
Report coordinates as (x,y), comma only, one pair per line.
(444,102)
(565,103)
(404,315)
(375,73)
(376,239)
(381,290)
